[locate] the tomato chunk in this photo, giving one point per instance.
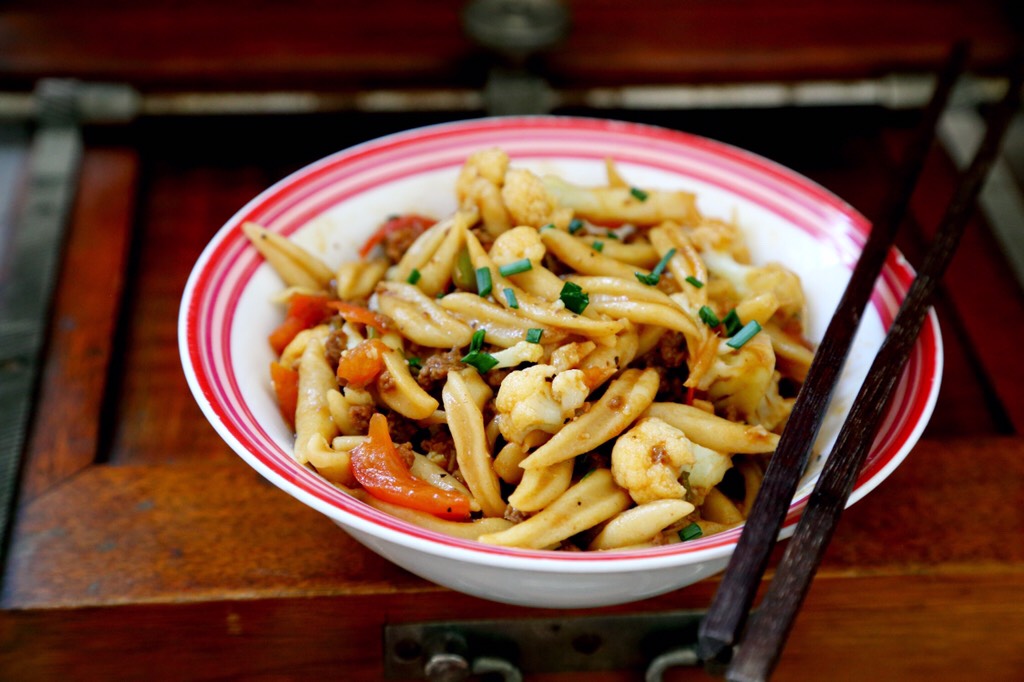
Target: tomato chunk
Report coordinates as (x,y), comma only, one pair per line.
(410,221)
(360,315)
(379,468)
(286,386)
(359,366)
(304,311)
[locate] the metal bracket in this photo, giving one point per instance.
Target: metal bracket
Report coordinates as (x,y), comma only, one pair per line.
(454,650)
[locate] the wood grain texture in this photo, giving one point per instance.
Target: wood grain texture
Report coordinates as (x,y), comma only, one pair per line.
(67,422)
(403,43)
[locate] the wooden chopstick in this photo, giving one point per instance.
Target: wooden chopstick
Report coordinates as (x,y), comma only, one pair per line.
(727,615)
(762,643)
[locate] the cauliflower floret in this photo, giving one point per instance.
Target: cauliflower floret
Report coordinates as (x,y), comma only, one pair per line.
(739,378)
(527,401)
(748,281)
(528,201)
(707,470)
(773,411)
(516,244)
(523,351)
(478,187)
(570,355)
(648,459)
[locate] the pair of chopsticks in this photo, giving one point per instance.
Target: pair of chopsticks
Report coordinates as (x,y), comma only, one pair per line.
(755,657)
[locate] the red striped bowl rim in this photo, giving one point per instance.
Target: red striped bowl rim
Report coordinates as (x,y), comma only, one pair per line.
(227,265)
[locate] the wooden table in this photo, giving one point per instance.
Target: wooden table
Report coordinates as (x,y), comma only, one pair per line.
(145,549)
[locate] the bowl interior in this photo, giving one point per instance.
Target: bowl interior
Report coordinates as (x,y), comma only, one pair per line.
(332,206)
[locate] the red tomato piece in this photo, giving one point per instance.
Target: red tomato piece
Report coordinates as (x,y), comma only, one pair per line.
(304,311)
(379,468)
(359,366)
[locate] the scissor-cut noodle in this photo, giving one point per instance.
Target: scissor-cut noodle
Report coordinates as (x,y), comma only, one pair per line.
(586,368)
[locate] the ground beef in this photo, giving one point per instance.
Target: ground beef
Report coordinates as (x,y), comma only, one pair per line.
(496,376)
(514,515)
(398,241)
(406,452)
(440,442)
(333,347)
(386,382)
(360,415)
(670,352)
(436,367)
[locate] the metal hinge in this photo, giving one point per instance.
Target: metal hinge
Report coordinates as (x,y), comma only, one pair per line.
(648,643)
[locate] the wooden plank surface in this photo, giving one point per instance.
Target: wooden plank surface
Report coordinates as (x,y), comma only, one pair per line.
(164,552)
(402,43)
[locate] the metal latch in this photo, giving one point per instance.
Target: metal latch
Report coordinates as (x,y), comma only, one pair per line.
(449,651)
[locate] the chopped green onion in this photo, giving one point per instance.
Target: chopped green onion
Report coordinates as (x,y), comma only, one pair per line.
(732,323)
(750,329)
(533,335)
(638,193)
(483,362)
(413,277)
(462,271)
(510,296)
(611,235)
(477,342)
(690,532)
(655,275)
(515,267)
(708,316)
(597,246)
(575,225)
(574,298)
(695,282)
(414,361)
(439,294)
(549,226)
(483,282)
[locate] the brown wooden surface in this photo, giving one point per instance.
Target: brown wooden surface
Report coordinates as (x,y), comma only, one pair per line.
(173,44)
(145,549)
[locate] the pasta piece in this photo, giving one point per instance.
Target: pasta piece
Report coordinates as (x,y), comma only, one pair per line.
(686,263)
(641,524)
(792,357)
(341,413)
(540,487)
(437,272)
(504,327)
(334,465)
(593,500)
(753,475)
(759,308)
(535,309)
(467,530)
(506,463)
(312,413)
(624,205)
(477,387)
(584,258)
(419,317)
(296,266)
(720,509)
(437,476)
(714,432)
(293,351)
(420,251)
(471,450)
(625,399)
(398,389)
(640,254)
(357,279)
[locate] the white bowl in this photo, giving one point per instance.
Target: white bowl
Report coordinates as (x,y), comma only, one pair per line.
(331,206)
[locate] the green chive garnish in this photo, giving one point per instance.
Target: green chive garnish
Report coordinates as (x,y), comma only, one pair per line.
(575,225)
(515,267)
(414,361)
(483,362)
(483,282)
(510,296)
(574,298)
(690,532)
(413,277)
(655,275)
(611,235)
(638,193)
(533,335)
(732,323)
(477,342)
(598,246)
(708,316)
(695,282)
(750,329)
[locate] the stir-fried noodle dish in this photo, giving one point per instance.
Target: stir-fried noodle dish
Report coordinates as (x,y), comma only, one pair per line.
(552,366)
